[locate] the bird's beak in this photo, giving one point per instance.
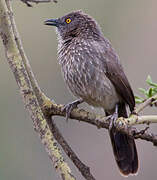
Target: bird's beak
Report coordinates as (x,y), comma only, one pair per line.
(52,22)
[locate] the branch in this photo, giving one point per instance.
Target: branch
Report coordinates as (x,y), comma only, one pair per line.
(29,97)
(27,2)
(25,60)
(123,124)
(146,103)
(85,170)
(42,98)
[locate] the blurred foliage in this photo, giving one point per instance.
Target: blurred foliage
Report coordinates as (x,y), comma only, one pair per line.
(151,91)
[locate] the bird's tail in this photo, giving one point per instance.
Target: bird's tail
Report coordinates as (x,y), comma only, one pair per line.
(124,148)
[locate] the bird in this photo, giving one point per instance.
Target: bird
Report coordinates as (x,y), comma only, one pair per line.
(93,73)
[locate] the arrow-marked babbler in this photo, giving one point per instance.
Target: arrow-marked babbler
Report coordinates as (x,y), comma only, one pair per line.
(93,73)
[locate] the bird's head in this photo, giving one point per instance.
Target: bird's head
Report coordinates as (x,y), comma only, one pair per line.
(75,24)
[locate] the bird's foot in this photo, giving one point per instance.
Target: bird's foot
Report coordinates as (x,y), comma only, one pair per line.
(113,118)
(70,106)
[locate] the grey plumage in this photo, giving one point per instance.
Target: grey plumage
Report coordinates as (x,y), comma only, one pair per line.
(92,71)
(84,75)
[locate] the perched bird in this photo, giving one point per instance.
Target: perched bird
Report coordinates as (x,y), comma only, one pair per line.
(93,73)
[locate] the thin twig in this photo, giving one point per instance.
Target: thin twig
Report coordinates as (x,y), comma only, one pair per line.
(146,103)
(27,2)
(135,119)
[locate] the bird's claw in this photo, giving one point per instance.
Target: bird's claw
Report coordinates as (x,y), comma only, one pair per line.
(70,106)
(113,120)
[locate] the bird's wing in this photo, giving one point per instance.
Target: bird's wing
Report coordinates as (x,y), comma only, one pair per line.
(116,75)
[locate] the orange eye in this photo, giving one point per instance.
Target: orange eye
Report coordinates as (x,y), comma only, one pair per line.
(68,20)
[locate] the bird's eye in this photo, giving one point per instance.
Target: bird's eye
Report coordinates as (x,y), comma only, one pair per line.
(68,20)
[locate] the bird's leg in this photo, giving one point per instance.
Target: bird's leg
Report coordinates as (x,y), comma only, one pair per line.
(113,118)
(70,106)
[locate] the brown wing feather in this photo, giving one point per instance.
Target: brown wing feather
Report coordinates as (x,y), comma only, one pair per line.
(115,73)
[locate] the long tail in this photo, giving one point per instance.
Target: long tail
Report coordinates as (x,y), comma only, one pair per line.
(124,148)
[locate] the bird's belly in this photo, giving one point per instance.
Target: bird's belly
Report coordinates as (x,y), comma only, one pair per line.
(97,90)
(107,102)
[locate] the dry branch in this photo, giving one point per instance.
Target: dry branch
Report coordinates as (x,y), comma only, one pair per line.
(85,170)
(123,124)
(29,97)
(27,2)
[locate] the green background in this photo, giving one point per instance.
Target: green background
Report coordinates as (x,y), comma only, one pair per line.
(131,26)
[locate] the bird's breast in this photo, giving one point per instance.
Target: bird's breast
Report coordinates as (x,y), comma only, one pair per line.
(86,78)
